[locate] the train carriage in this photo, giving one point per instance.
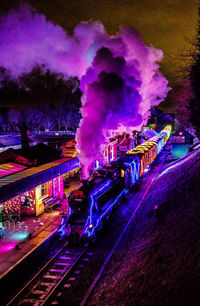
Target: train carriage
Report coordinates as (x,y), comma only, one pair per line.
(147,152)
(159,141)
(94,200)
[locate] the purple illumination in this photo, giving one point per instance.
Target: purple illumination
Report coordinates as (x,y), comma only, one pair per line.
(28,39)
(119,74)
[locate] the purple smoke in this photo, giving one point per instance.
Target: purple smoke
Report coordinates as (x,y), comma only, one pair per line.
(119,88)
(28,39)
(119,74)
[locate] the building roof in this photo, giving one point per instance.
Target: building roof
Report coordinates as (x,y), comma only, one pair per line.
(182,132)
(39,154)
(27,179)
(10,168)
(11,155)
(9,140)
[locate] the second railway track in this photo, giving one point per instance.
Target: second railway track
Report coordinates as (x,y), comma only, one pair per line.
(38,290)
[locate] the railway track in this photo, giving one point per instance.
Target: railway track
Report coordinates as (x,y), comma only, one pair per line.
(40,288)
(62,295)
(47,283)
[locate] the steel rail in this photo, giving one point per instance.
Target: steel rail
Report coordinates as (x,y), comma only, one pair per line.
(64,276)
(34,277)
(47,272)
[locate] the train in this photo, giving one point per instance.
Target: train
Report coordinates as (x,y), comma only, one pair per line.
(93,202)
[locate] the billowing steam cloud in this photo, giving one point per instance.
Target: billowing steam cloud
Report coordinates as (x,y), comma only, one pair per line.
(119,88)
(119,75)
(28,39)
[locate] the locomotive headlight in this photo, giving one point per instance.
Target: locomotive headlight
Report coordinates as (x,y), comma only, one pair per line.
(91,226)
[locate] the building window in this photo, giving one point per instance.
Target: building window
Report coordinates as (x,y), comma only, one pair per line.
(43,190)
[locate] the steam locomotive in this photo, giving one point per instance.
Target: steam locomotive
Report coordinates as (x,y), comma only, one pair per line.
(93,202)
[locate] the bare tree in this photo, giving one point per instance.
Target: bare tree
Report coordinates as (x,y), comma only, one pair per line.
(183,99)
(14,118)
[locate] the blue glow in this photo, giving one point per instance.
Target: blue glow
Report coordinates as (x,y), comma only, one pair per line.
(62,231)
(92,51)
(62,226)
(97,164)
(179,150)
(160,145)
(147,169)
(93,197)
(89,231)
(135,171)
(159,142)
(131,172)
(19,236)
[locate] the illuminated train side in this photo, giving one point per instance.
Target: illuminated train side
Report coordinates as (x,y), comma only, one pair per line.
(93,202)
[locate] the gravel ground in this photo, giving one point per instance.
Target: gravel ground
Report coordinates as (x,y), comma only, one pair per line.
(160,265)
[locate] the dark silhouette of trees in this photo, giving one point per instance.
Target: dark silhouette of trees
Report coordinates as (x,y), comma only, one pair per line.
(194,105)
(184,96)
(159,118)
(188,107)
(42,99)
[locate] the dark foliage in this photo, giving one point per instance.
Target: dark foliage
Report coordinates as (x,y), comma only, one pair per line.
(194,104)
(38,87)
(159,118)
(44,100)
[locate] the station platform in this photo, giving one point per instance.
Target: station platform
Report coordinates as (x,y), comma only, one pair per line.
(25,236)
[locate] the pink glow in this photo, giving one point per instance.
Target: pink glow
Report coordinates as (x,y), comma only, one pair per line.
(6,247)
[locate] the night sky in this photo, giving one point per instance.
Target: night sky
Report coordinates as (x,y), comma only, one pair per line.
(164,24)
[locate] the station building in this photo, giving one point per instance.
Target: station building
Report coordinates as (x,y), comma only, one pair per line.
(29,190)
